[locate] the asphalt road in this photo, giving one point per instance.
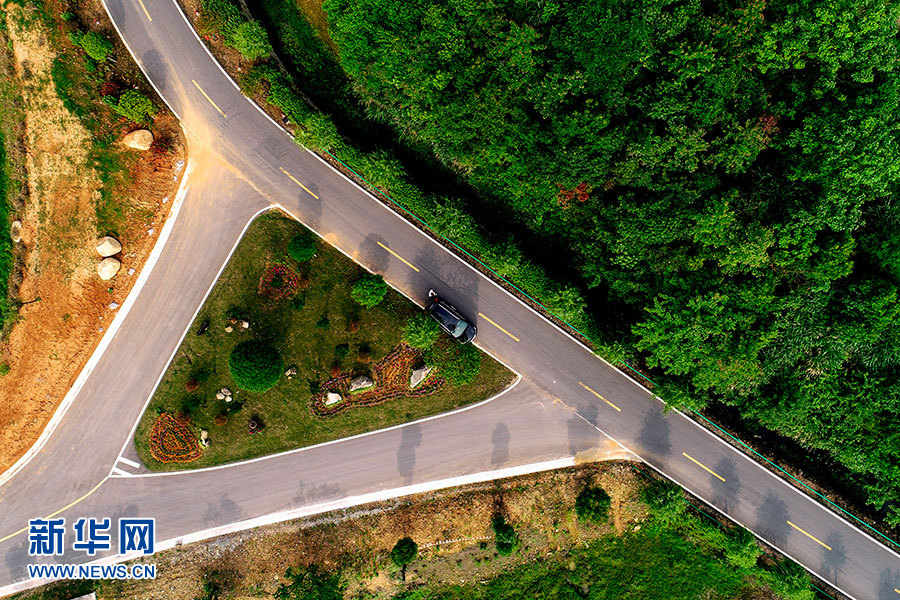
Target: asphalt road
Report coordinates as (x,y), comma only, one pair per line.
(568,401)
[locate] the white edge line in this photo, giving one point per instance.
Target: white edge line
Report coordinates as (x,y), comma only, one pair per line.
(116,471)
(137,61)
(718,510)
(247,225)
(110,333)
(342,503)
(130,435)
(489,279)
(130,463)
(694,422)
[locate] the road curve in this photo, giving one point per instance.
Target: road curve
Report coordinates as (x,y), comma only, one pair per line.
(568,401)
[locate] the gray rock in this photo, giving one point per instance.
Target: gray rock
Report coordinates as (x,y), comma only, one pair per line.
(131,271)
(113,305)
(225,391)
(15,231)
(245,324)
(229,329)
(360,383)
(419,375)
(290,372)
(332,398)
(220,396)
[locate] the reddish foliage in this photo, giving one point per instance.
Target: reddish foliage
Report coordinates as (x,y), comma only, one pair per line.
(391,377)
(172,441)
(580,192)
(279,282)
(191,385)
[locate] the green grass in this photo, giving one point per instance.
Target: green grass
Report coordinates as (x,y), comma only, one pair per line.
(304,342)
(76,85)
(646,565)
(6,244)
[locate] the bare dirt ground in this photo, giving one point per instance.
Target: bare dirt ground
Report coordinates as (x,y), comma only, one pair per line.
(252,564)
(56,334)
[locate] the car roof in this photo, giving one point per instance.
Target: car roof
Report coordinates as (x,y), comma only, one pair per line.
(446,315)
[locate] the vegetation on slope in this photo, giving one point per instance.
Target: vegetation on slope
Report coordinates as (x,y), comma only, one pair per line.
(721,176)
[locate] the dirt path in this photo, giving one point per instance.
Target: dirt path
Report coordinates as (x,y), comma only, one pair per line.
(55,335)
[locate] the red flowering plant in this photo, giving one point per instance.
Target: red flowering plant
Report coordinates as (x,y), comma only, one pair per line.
(279,282)
(172,441)
(391,376)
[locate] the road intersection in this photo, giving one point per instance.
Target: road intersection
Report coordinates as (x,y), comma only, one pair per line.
(568,401)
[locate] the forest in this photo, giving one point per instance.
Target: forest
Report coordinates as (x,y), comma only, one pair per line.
(717,180)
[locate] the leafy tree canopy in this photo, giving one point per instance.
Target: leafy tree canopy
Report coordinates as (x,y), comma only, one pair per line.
(369,290)
(255,365)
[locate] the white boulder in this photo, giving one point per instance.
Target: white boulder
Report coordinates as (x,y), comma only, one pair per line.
(108,246)
(108,268)
(139,139)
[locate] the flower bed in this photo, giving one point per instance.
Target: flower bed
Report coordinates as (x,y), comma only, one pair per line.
(279,282)
(172,441)
(391,377)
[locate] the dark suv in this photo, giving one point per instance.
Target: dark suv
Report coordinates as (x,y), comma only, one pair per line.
(450,320)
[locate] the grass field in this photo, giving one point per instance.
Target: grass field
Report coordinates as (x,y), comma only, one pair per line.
(328,329)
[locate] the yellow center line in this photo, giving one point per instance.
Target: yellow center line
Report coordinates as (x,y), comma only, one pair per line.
(702,466)
(149,18)
(294,179)
(896,590)
(497,326)
(205,95)
(812,537)
(599,396)
(66,507)
(406,262)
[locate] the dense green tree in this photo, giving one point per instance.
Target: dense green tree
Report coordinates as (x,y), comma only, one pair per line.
(723,175)
(504,535)
(255,365)
(250,39)
(310,583)
(302,247)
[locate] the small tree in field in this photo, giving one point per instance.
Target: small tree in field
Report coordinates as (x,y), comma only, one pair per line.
(505,535)
(369,290)
(255,366)
(302,247)
(404,552)
(421,331)
(592,505)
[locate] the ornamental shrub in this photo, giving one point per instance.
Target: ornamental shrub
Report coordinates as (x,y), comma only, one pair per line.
(96,46)
(369,290)
(505,535)
(592,505)
(404,552)
(4,369)
(132,105)
(255,366)
(457,363)
(421,331)
(302,247)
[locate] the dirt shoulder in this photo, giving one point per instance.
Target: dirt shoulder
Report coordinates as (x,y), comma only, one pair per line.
(66,307)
